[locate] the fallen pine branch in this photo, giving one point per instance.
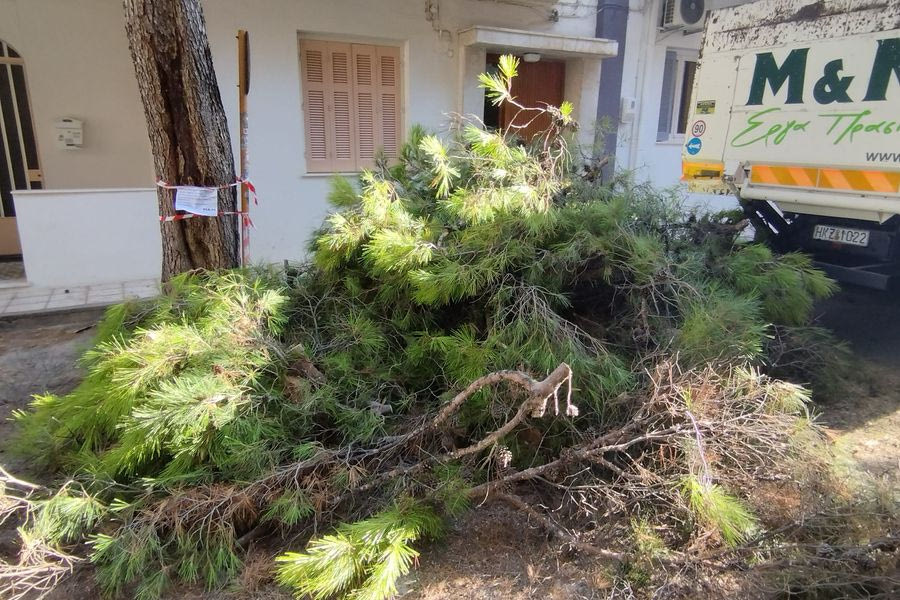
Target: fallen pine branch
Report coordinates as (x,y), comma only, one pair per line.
(539,393)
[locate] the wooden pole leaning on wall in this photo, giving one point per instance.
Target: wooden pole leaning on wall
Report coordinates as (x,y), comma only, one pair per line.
(243,90)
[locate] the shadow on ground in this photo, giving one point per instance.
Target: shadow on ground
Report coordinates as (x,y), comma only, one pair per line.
(869,320)
(867,420)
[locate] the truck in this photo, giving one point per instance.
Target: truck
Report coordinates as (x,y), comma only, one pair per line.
(796,111)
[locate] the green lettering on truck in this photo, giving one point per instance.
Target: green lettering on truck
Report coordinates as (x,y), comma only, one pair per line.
(887,63)
(766,70)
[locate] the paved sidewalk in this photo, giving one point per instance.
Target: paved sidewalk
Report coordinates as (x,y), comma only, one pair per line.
(27,299)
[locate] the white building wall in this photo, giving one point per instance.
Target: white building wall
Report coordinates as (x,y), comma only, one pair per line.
(637,147)
(77,64)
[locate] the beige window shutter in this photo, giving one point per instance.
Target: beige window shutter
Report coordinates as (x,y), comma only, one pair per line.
(351,104)
(316,76)
(343,130)
(366,92)
(389,128)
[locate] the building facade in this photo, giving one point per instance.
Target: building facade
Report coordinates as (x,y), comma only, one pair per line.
(331,82)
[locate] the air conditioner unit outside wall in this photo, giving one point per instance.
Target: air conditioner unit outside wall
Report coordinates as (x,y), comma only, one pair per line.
(690,15)
(683,14)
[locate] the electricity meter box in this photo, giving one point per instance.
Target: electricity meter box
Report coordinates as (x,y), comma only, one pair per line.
(69,133)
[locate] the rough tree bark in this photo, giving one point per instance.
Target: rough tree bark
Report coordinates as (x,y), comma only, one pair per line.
(187,127)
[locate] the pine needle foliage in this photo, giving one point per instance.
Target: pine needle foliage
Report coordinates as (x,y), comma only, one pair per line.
(176,388)
(814,356)
(720,327)
(66,516)
(236,400)
(182,390)
(717,509)
(361,560)
(786,286)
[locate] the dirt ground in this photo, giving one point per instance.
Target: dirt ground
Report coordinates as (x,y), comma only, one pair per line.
(491,553)
(38,355)
(868,422)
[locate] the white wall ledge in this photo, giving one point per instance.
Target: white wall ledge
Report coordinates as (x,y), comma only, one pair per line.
(552,44)
(92,191)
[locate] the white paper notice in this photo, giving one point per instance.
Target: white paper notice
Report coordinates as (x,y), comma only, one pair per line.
(198,200)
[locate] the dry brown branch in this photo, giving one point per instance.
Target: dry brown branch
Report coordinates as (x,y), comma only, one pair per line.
(570,539)
(39,571)
(572,456)
(558,530)
(8,480)
(40,567)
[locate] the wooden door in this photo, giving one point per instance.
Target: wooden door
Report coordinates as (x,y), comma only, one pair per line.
(18,151)
(537,85)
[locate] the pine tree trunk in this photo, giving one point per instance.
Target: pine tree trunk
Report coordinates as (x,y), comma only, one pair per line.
(187,127)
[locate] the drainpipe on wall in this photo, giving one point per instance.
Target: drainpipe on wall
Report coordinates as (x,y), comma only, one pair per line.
(612,24)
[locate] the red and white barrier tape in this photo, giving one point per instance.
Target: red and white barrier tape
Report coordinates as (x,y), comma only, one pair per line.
(245,215)
(238,181)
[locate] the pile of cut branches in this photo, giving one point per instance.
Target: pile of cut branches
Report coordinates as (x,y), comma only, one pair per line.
(476,322)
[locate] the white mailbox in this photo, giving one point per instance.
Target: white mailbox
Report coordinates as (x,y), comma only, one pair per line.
(69,133)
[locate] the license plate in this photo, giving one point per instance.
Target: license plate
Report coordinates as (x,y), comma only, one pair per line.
(841,235)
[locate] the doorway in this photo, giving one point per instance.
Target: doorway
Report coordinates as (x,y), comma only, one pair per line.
(538,83)
(19,169)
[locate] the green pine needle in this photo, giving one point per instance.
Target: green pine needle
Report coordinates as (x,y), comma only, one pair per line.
(719,510)
(366,557)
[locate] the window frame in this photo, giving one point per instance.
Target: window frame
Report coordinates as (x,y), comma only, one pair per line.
(682,57)
(395,47)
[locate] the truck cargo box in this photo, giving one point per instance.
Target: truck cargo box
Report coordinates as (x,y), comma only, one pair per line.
(796,109)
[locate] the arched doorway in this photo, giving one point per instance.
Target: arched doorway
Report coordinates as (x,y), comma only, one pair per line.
(19,168)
